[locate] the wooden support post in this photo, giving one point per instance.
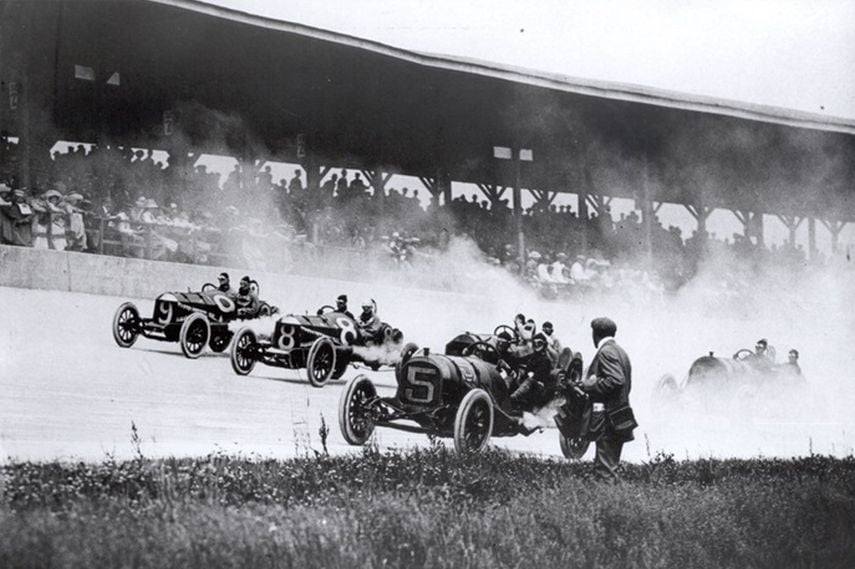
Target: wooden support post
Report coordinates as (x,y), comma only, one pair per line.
(791,222)
(812,238)
(834,227)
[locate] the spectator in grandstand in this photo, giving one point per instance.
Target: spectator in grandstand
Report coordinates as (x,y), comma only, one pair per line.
(76,235)
(50,221)
(20,216)
(5,222)
(342,185)
(295,186)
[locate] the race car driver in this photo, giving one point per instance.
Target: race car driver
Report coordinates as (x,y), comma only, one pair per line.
(537,385)
(341,306)
(225,285)
(368,322)
(247,300)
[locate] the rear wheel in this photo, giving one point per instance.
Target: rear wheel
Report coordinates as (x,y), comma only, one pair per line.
(126,325)
(195,332)
(241,353)
(354,418)
(320,363)
(473,423)
(574,449)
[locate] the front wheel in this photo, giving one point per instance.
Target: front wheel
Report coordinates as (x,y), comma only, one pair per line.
(126,325)
(574,449)
(354,418)
(320,363)
(241,352)
(473,423)
(194,334)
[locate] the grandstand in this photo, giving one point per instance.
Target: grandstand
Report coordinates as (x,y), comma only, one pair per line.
(187,78)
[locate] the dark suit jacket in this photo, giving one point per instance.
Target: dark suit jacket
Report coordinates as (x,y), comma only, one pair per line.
(613,370)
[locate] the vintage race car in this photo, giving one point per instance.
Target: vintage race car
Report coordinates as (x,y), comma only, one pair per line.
(193,319)
(462,394)
(322,344)
(743,369)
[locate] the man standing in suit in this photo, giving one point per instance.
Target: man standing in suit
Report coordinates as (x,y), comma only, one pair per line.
(608,381)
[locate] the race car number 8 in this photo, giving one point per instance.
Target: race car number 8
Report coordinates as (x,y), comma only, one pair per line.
(286,337)
(421,380)
(348,331)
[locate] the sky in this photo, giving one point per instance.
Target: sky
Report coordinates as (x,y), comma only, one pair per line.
(792,54)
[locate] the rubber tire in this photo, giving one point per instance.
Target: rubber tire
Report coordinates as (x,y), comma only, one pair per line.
(185,329)
(317,345)
(215,344)
(470,402)
(236,345)
(129,306)
(573,449)
(355,387)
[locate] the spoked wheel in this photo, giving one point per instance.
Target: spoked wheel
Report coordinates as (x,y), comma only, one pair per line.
(574,449)
(220,341)
(320,363)
(354,418)
(241,352)
(194,334)
(126,325)
(473,423)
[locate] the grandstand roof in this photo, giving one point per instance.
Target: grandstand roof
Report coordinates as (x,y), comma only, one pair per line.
(593,87)
(242,84)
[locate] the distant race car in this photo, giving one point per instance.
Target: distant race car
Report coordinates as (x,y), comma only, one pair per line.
(324,344)
(462,394)
(744,369)
(191,318)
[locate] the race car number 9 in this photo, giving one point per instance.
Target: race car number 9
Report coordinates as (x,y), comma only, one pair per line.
(164,312)
(420,380)
(348,331)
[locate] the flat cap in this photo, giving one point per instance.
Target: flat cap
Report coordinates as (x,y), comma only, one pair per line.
(604,326)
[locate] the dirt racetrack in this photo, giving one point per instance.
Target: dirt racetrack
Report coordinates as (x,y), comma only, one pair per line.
(67,391)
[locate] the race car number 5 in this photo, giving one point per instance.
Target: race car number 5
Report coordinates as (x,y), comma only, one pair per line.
(348,331)
(421,380)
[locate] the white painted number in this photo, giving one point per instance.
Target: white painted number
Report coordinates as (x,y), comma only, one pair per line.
(348,330)
(164,312)
(421,378)
(286,336)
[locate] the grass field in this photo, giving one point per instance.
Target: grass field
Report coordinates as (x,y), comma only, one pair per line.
(427,508)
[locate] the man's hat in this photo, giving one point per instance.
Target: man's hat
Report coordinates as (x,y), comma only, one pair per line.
(539,337)
(19,193)
(52,194)
(342,297)
(74,196)
(140,202)
(223,276)
(151,204)
(245,278)
(763,342)
(4,189)
(604,326)
(547,324)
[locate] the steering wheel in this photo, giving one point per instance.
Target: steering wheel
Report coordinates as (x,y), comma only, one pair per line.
(480,350)
(742,354)
(505,328)
(209,287)
(325,308)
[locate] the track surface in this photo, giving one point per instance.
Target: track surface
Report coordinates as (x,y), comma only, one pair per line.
(68,392)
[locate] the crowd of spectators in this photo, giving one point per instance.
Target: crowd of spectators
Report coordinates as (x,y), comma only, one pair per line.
(122,201)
